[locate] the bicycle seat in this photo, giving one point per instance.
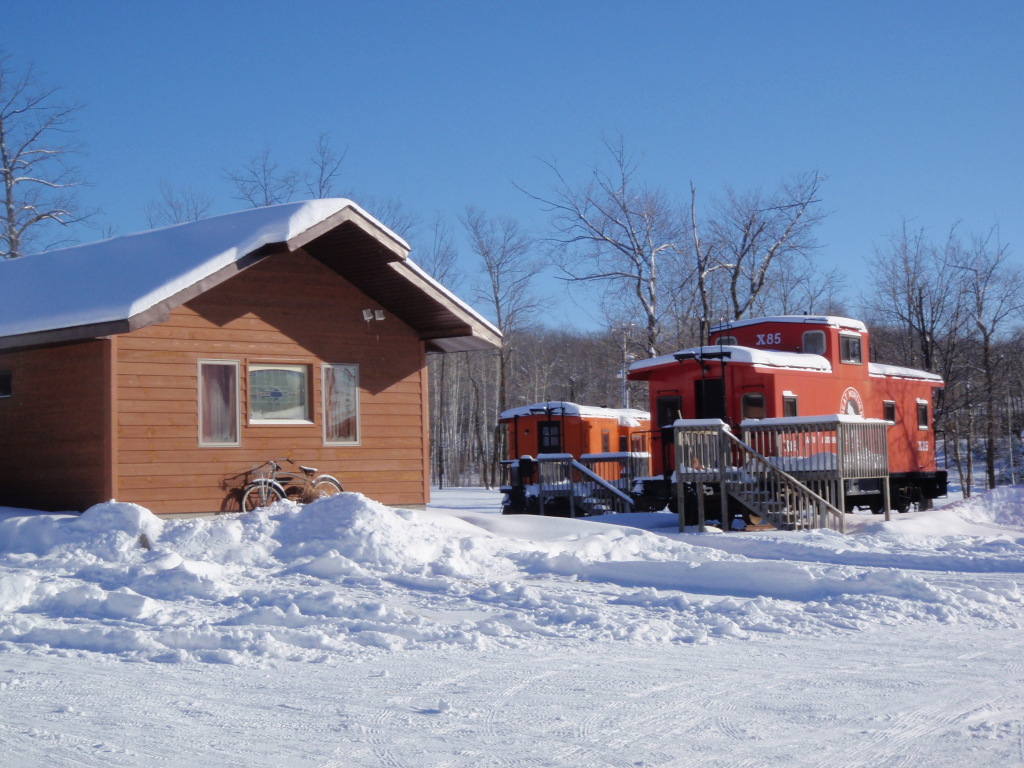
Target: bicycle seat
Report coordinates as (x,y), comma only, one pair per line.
(308,470)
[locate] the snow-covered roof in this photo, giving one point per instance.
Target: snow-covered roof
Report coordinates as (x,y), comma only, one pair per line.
(763,357)
(833,322)
(827,418)
(898,372)
(627,417)
(115,285)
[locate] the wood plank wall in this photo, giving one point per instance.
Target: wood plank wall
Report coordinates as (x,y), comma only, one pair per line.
(287,309)
(52,428)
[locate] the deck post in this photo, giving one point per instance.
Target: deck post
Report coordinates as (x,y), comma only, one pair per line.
(724,460)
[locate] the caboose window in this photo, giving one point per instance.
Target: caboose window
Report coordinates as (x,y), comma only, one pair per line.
(726,340)
(849,349)
(889,411)
(789,405)
(922,415)
(753,405)
(550,437)
(813,343)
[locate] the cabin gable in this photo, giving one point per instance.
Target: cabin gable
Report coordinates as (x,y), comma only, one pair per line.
(289,310)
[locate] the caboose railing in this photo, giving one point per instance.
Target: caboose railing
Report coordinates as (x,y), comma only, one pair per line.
(619,469)
(791,472)
(561,482)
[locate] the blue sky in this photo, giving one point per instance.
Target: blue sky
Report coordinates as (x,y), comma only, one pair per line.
(912,110)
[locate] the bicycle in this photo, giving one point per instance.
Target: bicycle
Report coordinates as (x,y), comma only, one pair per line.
(278,484)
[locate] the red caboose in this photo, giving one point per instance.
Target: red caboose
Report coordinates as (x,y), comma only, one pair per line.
(798,366)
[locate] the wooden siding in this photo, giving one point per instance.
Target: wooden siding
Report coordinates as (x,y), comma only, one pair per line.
(292,309)
(54,429)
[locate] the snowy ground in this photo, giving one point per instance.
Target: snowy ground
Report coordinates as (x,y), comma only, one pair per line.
(346,633)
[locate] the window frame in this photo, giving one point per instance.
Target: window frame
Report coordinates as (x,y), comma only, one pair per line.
(236,365)
(549,433)
(923,421)
(746,404)
(889,407)
(788,400)
(307,399)
(325,393)
(845,339)
(816,334)
(729,341)
(6,384)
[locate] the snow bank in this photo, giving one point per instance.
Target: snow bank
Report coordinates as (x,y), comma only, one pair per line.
(348,576)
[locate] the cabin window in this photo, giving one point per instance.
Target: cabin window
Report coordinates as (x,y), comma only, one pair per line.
(922,415)
(218,402)
(789,405)
(550,433)
(606,441)
(279,393)
(813,343)
(5,383)
(889,411)
(753,405)
(849,349)
(341,404)
(726,340)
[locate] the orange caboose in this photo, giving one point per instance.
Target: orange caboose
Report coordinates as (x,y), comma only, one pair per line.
(570,428)
(794,366)
(571,459)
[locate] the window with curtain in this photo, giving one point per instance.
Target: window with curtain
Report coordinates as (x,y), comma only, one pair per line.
(341,404)
(278,392)
(218,402)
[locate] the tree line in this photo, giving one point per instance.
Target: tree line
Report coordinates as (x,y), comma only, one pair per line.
(659,265)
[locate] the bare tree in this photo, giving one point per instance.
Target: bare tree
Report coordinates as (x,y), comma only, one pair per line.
(39,183)
(176,206)
(746,235)
(994,297)
(440,257)
(392,213)
(440,261)
(503,248)
(619,233)
(911,292)
(324,168)
(262,182)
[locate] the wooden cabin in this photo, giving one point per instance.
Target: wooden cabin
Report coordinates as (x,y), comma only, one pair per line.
(159,368)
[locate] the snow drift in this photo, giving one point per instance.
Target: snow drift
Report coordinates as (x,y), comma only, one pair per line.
(348,576)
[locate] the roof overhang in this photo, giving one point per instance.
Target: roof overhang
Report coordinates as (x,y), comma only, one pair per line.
(342,236)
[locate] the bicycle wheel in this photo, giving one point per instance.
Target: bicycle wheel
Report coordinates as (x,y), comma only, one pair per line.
(326,486)
(260,495)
